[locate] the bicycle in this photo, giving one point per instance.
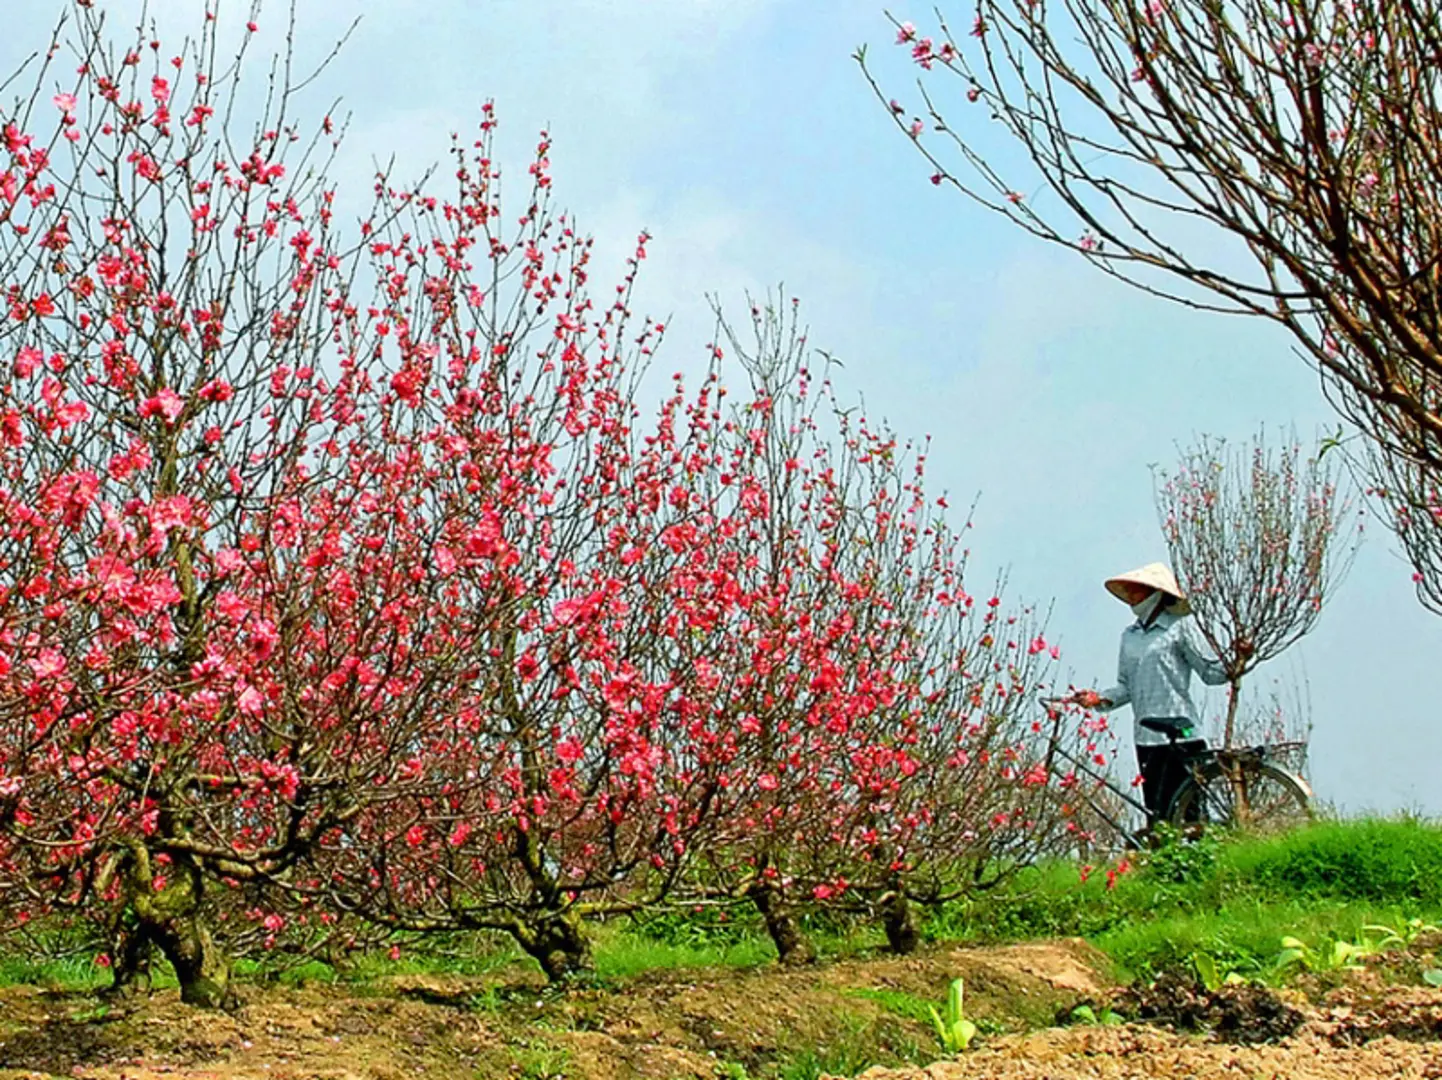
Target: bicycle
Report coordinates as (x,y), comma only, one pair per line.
(1247,787)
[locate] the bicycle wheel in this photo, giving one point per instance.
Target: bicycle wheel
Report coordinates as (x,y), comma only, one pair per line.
(1262,797)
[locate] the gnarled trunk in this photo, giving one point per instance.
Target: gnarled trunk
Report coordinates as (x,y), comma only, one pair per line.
(555,937)
(792,944)
(129,959)
(171,920)
(898,919)
(201,966)
(559,945)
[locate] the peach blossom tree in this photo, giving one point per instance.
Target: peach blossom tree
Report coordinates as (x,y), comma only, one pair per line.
(1259,537)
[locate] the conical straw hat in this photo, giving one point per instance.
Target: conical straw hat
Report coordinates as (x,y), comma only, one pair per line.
(1154,576)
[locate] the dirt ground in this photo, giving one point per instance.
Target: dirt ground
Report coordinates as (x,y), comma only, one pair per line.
(1138,1053)
(839,1018)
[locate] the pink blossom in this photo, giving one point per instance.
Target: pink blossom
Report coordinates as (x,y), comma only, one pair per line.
(444,559)
(250,701)
(48,664)
(28,361)
(167,403)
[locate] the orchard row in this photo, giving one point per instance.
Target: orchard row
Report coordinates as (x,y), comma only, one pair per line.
(347,578)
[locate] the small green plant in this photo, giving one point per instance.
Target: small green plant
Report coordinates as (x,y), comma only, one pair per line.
(732,1070)
(1433,977)
(537,1059)
(1211,976)
(1181,860)
(488,1001)
(93,1015)
(1402,936)
(1085,1014)
(954,1030)
(1342,955)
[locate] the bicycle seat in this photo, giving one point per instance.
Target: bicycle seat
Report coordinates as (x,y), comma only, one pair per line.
(1172,729)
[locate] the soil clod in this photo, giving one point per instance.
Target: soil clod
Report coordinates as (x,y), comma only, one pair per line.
(1243,1014)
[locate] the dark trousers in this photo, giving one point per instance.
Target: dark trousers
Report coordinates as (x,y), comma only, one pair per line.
(1163,770)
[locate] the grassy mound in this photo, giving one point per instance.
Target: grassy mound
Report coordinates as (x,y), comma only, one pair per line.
(1233,899)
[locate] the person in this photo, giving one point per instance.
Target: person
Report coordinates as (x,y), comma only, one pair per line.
(1160,652)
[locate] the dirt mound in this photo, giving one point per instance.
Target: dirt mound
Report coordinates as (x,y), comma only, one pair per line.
(665,1025)
(1413,1015)
(840,1019)
(1141,1053)
(1355,1036)
(1244,1014)
(1070,965)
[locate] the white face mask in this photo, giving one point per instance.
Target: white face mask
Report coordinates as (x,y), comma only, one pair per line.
(1143,611)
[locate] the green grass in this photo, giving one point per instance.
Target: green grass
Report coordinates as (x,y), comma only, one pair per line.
(1395,862)
(853,1048)
(621,953)
(1233,899)
(70,973)
(1242,936)
(899,1002)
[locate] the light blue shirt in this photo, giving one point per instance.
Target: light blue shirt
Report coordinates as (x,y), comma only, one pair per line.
(1154,673)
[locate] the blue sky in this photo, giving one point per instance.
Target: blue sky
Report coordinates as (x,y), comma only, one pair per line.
(741,134)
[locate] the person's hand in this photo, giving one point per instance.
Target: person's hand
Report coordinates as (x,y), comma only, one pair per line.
(1087,699)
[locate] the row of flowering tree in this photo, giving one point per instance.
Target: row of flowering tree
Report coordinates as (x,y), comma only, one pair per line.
(341,578)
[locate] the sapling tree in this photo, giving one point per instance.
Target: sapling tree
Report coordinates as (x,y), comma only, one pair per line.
(884,716)
(1302,134)
(1259,537)
(1280,718)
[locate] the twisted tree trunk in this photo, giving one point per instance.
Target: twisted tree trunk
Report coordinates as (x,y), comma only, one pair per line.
(792,944)
(171,920)
(559,945)
(898,919)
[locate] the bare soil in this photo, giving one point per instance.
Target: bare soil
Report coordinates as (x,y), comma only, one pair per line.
(1136,1052)
(842,1018)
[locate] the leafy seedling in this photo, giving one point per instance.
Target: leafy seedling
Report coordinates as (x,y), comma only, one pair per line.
(954,1030)
(1085,1014)
(1401,936)
(1342,956)
(1211,976)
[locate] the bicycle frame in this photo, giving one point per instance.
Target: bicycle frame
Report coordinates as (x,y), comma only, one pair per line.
(1136,839)
(1133,839)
